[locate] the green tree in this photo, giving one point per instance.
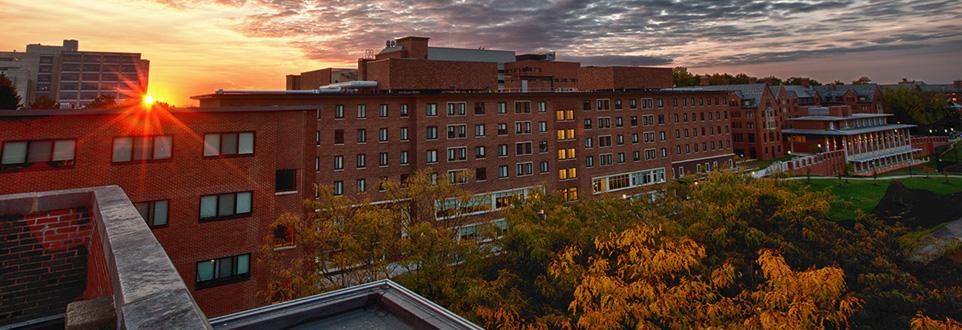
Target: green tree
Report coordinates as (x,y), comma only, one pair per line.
(798,81)
(682,78)
(926,109)
(44,102)
(9,100)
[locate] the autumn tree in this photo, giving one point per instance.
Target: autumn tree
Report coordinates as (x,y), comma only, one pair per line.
(343,241)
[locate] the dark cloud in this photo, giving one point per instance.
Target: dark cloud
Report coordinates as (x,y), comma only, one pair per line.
(622,32)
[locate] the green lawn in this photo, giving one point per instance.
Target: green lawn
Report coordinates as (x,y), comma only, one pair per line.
(855,195)
(760,164)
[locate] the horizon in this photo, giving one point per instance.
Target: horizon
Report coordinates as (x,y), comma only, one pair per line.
(196,46)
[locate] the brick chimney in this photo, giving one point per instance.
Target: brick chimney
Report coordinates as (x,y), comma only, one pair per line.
(703,80)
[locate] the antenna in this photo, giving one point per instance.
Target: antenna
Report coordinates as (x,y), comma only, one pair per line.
(369,53)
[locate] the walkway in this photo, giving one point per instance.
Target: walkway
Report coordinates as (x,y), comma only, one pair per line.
(942,240)
(895,177)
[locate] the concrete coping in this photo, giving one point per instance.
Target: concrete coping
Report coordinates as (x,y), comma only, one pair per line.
(148,293)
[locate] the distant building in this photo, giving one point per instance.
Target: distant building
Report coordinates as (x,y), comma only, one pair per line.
(72,77)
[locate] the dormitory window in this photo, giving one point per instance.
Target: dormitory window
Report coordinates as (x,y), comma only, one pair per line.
(404,157)
(338,188)
(361,161)
(382,135)
(141,148)
(225,270)
(382,159)
(361,135)
(479,108)
(153,212)
(456,109)
(339,136)
(382,111)
(404,133)
(432,156)
(54,153)
(432,133)
(361,111)
(502,107)
(522,107)
(224,206)
(227,144)
(338,162)
(339,111)
(403,110)
(502,171)
(285,181)
(432,109)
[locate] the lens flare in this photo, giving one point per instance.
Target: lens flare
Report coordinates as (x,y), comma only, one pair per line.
(148,100)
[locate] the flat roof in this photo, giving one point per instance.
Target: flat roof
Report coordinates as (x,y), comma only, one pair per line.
(853,116)
(845,132)
(304,93)
(111,111)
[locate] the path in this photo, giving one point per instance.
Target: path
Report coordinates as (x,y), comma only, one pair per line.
(896,177)
(939,242)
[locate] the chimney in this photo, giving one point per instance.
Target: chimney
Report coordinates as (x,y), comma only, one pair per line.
(805,82)
(71,45)
(703,80)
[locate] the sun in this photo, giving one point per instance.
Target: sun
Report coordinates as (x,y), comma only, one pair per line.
(149,100)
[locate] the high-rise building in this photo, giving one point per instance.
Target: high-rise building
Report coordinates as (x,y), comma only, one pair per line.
(73,78)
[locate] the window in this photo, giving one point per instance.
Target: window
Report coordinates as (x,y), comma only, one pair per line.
(564,154)
(382,135)
(543,166)
(502,150)
(523,169)
(285,180)
(456,109)
(141,148)
(361,111)
(225,270)
(382,111)
(361,161)
(480,174)
(502,129)
(317,138)
(404,134)
(382,159)
(339,136)
(589,142)
(503,171)
(226,144)
(479,108)
(403,110)
(522,127)
(339,162)
(153,212)
(522,148)
(479,152)
(457,154)
(543,146)
(587,123)
(339,111)
(361,185)
(522,107)
(570,194)
(432,156)
(590,161)
(361,135)
(225,206)
(502,108)
(457,131)
(54,153)
(432,133)
(404,157)
(479,130)
(542,126)
(542,106)
(432,110)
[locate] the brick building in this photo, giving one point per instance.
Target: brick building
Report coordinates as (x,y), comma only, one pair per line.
(222,172)
(756,117)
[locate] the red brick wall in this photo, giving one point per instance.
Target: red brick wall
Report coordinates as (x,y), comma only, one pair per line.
(99,281)
(606,78)
(412,74)
(541,75)
(823,164)
(183,179)
(42,262)
(928,144)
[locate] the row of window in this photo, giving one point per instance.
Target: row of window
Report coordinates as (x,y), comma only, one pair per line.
(454,109)
(458,176)
(620,157)
(627,180)
(58,153)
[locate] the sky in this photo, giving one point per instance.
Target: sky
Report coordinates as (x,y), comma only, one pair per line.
(198,46)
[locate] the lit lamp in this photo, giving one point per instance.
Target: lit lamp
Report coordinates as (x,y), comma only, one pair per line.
(819,147)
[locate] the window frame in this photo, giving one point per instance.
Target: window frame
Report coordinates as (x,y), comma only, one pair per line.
(220,145)
(215,281)
(235,215)
(48,164)
(153,145)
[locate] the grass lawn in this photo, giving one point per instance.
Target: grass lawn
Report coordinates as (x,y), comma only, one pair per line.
(865,195)
(760,164)
(954,155)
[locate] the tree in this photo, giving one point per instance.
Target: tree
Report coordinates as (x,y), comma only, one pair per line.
(799,80)
(102,101)
(343,241)
(682,78)
(863,80)
(9,99)
(44,102)
(926,109)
